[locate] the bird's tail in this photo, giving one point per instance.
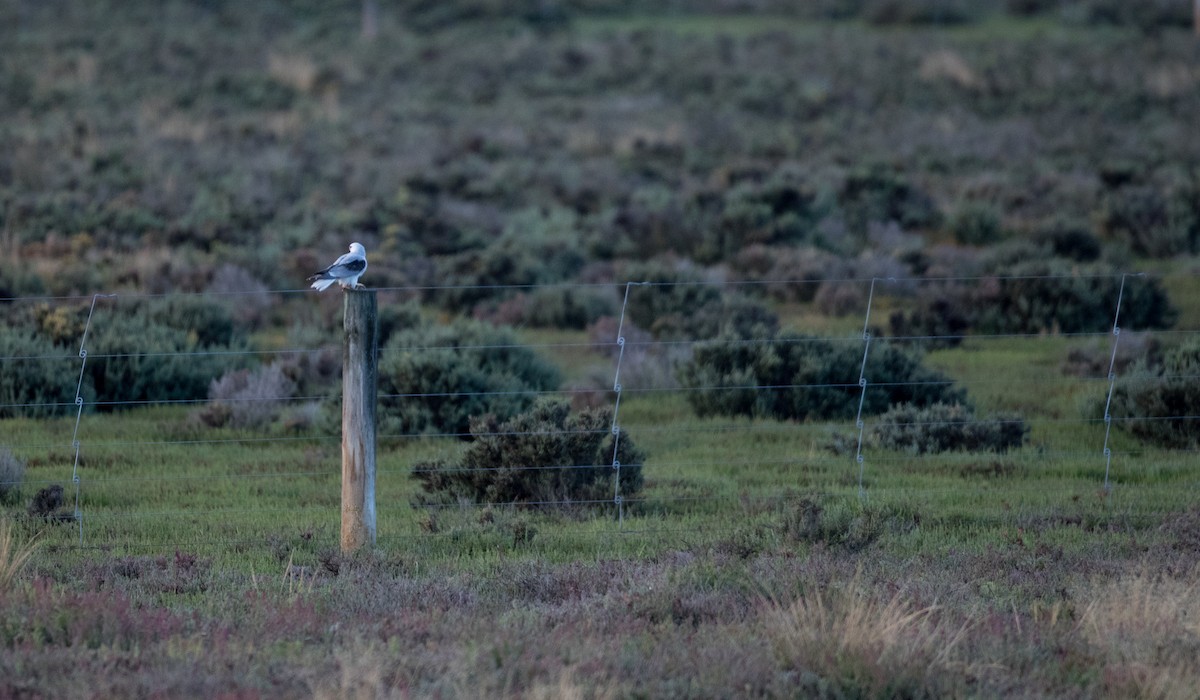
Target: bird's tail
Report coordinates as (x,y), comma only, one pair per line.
(322,283)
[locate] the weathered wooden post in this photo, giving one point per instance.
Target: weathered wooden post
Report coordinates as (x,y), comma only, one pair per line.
(359,374)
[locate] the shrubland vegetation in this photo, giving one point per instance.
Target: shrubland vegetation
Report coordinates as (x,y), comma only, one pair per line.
(982,175)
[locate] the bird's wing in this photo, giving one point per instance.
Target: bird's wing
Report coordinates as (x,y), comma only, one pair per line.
(346,266)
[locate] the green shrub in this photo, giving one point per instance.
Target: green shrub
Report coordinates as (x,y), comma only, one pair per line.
(779,210)
(1036,296)
(536,248)
(847,524)
(976,223)
(946,427)
(1068,240)
(878,194)
(1049,295)
(442,376)
(18,280)
(136,359)
(1150,221)
(38,378)
(678,305)
(799,377)
(1160,404)
(547,455)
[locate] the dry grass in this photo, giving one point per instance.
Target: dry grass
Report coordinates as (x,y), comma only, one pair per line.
(362,674)
(874,646)
(13,555)
(1148,627)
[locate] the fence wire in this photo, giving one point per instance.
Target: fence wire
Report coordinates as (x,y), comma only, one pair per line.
(824,446)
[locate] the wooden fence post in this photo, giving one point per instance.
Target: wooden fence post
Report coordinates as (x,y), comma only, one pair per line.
(359,374)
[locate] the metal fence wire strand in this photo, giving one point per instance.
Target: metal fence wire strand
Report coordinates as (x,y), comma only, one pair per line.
(99,457)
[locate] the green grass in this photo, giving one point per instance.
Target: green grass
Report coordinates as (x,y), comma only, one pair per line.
(150,483)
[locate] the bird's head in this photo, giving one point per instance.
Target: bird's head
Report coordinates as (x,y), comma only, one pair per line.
(358,249)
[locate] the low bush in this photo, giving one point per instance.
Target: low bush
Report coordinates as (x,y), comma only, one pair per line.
(879,194)
(549,307)
(1159,404)
(1093,361)
(39,378)
(803,377)
(843,523)
(246,399)
(1069,240)
(787,273)
(535,248)
(435,378)
(546,455)
(678,305)
(944,428)
(1150,221)
(976,223)
(134,359)
(1036,296)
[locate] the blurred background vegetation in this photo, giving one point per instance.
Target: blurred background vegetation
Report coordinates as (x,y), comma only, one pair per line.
(192,144)
(503,161)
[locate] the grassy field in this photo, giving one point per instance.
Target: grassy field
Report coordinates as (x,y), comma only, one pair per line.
(751,564)
(512,168)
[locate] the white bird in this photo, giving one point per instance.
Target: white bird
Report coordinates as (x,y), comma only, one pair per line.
(345,270)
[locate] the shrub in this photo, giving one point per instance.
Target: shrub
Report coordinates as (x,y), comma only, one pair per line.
(1150,221)
(799,377)
(1160,404)
(47,504)
(550,307)
(135,359)
(878,194)
(780,210)
(12,471)
(547,455)
(1049,295)
(18,280)
(1034,297)
(841,297)
(844,523)
(791,274)
(678,305)
(1069,240)
(439,377)
(247,293)
(1095,360)
(535,248)
(39,379)
(975,223)
(946,427)
(247,399)
(940,317)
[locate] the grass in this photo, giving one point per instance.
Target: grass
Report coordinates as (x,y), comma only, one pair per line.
(252,501)
(848,635)
(13,555)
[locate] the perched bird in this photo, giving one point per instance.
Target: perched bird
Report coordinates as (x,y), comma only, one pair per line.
(345,270)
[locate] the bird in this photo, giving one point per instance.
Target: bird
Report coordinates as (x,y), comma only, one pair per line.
(345,270)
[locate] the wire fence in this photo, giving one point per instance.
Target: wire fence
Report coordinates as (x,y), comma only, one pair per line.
(146,473)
